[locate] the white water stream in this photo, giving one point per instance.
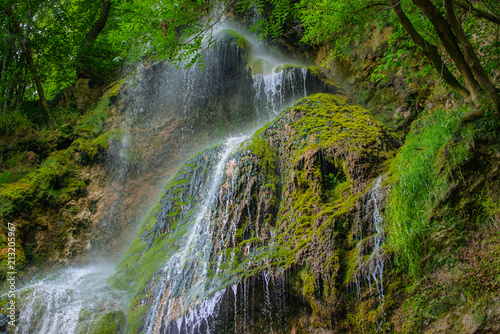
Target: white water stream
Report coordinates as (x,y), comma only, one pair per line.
(195,252)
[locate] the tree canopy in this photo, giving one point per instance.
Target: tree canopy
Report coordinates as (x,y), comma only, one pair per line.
(40,44)
(47,45)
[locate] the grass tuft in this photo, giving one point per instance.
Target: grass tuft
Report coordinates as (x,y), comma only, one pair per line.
(436,145)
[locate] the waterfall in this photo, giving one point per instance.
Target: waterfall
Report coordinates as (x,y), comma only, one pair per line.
(185,272)
(278,89)
(169,114)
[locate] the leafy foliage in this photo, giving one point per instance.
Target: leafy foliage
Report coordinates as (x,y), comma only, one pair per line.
(53,31)
(161,30)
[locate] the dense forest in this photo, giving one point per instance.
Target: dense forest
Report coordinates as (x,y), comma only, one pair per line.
(365,198)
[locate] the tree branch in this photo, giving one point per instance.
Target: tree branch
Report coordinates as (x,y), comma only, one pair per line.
(478,12)
(429,50)
(83,69)
(450,43)
(470,55)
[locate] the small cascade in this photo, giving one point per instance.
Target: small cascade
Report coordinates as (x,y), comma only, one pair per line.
(246,304)
(304,77)
(267,304)
(280,294)
(277,89)
(371,237)
(235,291)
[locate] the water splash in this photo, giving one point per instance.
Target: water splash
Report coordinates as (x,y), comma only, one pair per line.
(54,304)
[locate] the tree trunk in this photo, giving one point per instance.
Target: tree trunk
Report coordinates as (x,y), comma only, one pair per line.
(429,50)
(450,43)
(470,55)
(34,72)
(17,30)
(84,69)
(4,86)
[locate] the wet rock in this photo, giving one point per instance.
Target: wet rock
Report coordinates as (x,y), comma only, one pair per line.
(283,204)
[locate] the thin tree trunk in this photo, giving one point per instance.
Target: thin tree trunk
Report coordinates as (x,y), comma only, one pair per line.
(450,43)
(26,51)
(7,96)
(83,68)
(469,53)
(34,72)
(429,50)
(3,75)
(478,12)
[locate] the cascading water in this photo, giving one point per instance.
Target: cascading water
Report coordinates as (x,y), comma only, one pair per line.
(371,270)
(186,271)
(277,89)
(171,113)
(56,303)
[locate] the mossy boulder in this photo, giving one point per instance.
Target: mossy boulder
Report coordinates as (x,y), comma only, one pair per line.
(321,155)
(112,322)
(289,201)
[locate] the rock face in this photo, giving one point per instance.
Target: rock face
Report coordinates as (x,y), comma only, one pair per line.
(268,231)
(87,195)
(169,114)
(84,198)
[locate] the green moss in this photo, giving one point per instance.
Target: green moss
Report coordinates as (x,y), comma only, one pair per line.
(37,185)
(287,66)
(113,89)
(175,183)
(94,123)
(89,322)
(42,183)
(90,148)
(109,323)
(31,188)
(72,190)
(10,177)
(316,71)
(261,148)
(231,35)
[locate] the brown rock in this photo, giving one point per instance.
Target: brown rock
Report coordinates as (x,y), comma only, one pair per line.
(32,158)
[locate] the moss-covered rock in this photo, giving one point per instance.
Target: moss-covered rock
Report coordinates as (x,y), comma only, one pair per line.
(42,200)
(112,322)
(286,203)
